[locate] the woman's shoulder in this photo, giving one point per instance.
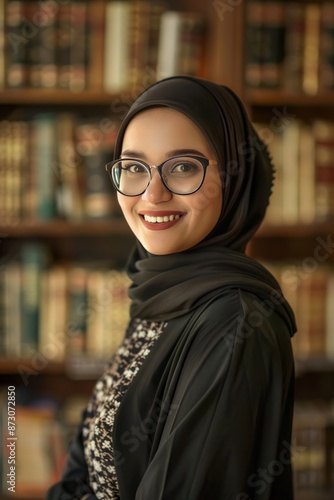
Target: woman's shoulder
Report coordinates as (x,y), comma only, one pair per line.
(235,315)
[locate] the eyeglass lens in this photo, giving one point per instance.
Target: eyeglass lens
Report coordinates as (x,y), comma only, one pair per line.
(182,175)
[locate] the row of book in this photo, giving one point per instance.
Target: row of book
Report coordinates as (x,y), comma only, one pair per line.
(308,285)
(313,446)
(303,157)
(52,165)
(110,45)
(44,429)
(290,45)
(63,310)
(44,432)
(60,310)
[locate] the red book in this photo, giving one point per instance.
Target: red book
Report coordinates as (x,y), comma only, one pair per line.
(324,168)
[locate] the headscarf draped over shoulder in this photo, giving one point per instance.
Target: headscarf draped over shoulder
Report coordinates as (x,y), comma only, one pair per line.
(167,286)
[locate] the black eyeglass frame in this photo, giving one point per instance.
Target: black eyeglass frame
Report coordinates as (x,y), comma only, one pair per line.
(205,162)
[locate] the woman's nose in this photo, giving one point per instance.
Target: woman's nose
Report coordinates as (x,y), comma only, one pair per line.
(156,192)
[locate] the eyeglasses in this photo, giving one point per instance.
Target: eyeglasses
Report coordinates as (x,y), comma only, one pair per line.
(179,174)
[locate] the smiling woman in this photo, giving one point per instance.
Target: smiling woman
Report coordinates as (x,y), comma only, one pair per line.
(168,138)
(197,402)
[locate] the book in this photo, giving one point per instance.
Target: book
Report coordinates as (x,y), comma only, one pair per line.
(309,443)
(191,50)
(294,47)
(290,172)
(156,10)
(330,321)
(79,54)
(63,46)
(36,457)
(68,169)
(108,306)
(52,339)
(253,43)
(310,84)
(77,310)
(117,46)
(323,132)
(34,260)
(18,32)
(96,32)
(3,347)
(326,63)
(2,44)
(44,142)
(139,28)
(12,322)
(169,44)
(273,140)
(272,44)
(307,196)
(95,145)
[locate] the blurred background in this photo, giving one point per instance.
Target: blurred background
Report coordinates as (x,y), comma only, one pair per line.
(69,70)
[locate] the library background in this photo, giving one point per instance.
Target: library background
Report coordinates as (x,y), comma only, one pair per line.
(68,72)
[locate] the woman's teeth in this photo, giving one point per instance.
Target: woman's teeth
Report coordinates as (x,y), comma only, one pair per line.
(166,218)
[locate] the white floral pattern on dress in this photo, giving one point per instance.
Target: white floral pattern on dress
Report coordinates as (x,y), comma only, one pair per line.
(106,398)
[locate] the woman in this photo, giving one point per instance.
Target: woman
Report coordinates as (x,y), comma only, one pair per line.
(197,403)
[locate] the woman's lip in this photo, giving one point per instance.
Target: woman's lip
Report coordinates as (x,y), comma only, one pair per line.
(160,226)
(160,213)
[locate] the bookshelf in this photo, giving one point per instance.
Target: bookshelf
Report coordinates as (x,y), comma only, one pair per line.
(224,58)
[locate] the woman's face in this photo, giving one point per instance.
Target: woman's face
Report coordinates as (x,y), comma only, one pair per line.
(153,136)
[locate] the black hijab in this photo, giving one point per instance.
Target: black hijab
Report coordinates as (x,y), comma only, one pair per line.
(167,286)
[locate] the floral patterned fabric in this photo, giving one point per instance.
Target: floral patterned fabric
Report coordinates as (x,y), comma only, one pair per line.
(105,400)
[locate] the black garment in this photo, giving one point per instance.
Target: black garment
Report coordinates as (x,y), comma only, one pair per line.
(208,416)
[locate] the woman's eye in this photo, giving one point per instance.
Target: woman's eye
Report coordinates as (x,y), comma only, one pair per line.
(184,168)
(134,168)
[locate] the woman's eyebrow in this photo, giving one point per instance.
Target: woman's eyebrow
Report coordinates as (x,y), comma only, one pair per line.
(185,151)
(131,153)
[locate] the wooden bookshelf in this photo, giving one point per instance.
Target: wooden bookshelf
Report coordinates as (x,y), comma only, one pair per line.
(224,63)
(65,229)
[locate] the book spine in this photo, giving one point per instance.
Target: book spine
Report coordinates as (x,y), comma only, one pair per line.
(311,49)
(326,72)
(3,336)
(169,44)
(18,32)
(45,149)
(34,258)
(290,180)
(79,46)
(63,44)
(139,20)
(253,48)
(77,311)
(324,169)
(294,47)
(191,44)
(307,207)
(96,149)
(96,32)
(156,11)
(273,44)
(53,314)
(47,51)
(2,44)
(69,171)
(117,46)
(309,431)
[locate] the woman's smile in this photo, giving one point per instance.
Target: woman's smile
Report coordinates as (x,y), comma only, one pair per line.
(159,220)
(164,222)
